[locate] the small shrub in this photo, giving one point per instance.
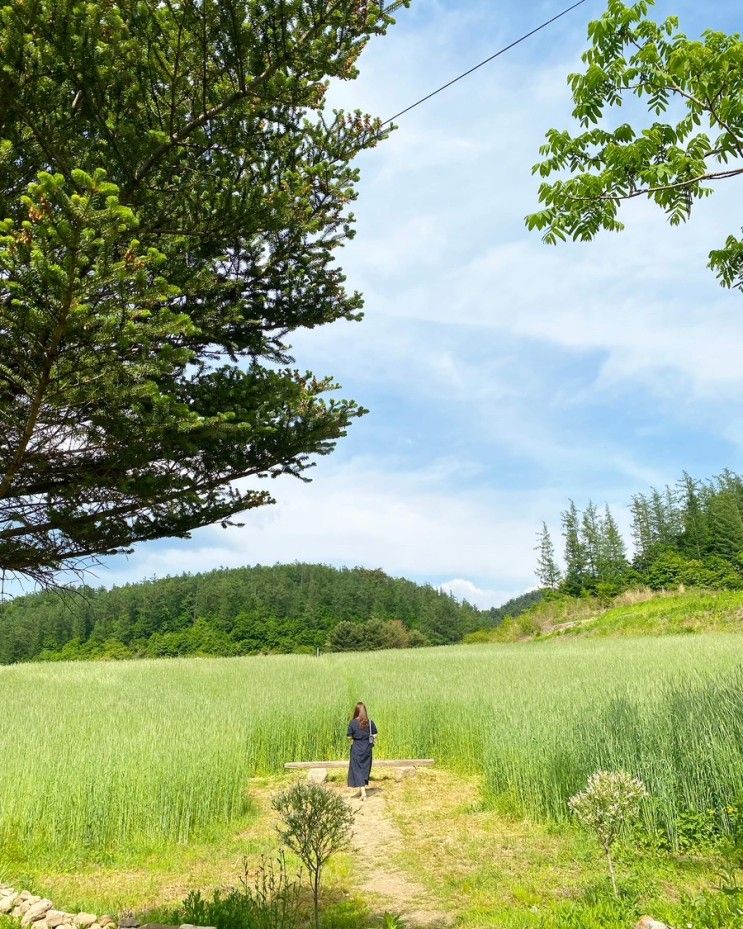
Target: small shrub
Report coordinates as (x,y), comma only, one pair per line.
(610,802)
(315,824)
(528,624)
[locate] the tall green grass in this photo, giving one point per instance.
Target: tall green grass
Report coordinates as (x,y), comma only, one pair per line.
(132,754)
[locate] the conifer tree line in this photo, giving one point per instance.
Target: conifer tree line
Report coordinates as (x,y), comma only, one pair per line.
(689,533)
(238,611)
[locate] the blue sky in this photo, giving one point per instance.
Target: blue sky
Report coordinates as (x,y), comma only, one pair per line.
(503,376)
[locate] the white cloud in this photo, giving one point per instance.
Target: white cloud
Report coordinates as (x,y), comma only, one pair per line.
(412,523)
(645,299)
(463,589)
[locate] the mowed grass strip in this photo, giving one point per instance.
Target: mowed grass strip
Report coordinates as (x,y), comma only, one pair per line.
(113,757)
(495,871)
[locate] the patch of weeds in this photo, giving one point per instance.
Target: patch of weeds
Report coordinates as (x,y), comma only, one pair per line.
(721,910)
(392,921)
(731,880)
(351,914)
(715,828)
(607,913)
(269,899)
(706,911)
(503,803)
(708,827)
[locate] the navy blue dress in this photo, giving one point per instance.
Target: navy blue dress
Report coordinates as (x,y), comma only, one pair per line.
(359,768)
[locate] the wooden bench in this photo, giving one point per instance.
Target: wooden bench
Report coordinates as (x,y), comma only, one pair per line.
(317,771)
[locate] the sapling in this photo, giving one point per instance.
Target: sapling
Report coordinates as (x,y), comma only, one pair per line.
(315,823)
(610,801)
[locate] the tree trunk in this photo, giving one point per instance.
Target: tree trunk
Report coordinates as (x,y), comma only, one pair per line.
(612,874)
(316,897)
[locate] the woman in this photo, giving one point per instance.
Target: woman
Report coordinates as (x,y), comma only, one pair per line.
(362,732)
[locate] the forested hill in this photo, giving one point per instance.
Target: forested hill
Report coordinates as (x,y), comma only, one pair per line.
(284,608)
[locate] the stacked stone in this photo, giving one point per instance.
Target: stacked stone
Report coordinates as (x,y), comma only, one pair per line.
(38,913)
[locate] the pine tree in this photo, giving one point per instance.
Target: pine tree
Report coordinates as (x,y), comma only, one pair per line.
(547,572)
(725,525)
(575,554)
(690,533)
(642,536)
(173,193)
(673,514)
(694,521)
(613,554)
(590,532)
(733,484)
(660,525)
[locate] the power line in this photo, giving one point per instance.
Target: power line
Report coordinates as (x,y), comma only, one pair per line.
(500,51)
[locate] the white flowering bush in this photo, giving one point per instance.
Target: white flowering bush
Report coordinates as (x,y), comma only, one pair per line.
(610,801)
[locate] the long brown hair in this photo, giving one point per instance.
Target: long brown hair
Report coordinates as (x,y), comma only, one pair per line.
(359,712)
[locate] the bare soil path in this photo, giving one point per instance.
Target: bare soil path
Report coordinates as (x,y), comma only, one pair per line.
(377,841)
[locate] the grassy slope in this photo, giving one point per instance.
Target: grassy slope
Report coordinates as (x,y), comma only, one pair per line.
(636,613)
(694,611)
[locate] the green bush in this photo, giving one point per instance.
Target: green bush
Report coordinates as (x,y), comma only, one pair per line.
(671,569)
(697,829)
(374,635)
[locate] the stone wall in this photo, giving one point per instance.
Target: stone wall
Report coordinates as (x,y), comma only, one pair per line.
(38,913)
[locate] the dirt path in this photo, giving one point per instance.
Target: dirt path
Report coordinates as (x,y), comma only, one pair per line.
(377,841)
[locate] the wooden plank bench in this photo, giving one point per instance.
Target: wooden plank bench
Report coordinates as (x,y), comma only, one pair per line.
(317,771)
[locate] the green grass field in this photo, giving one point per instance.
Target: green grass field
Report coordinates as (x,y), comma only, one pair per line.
(102,761)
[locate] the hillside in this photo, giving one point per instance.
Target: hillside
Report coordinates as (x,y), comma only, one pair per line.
(283,608)
(515,606)
(633,613)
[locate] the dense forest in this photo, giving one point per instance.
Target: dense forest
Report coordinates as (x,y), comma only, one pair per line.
(284,608)
(687,534)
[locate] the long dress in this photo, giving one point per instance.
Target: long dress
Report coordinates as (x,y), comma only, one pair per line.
(359,767)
